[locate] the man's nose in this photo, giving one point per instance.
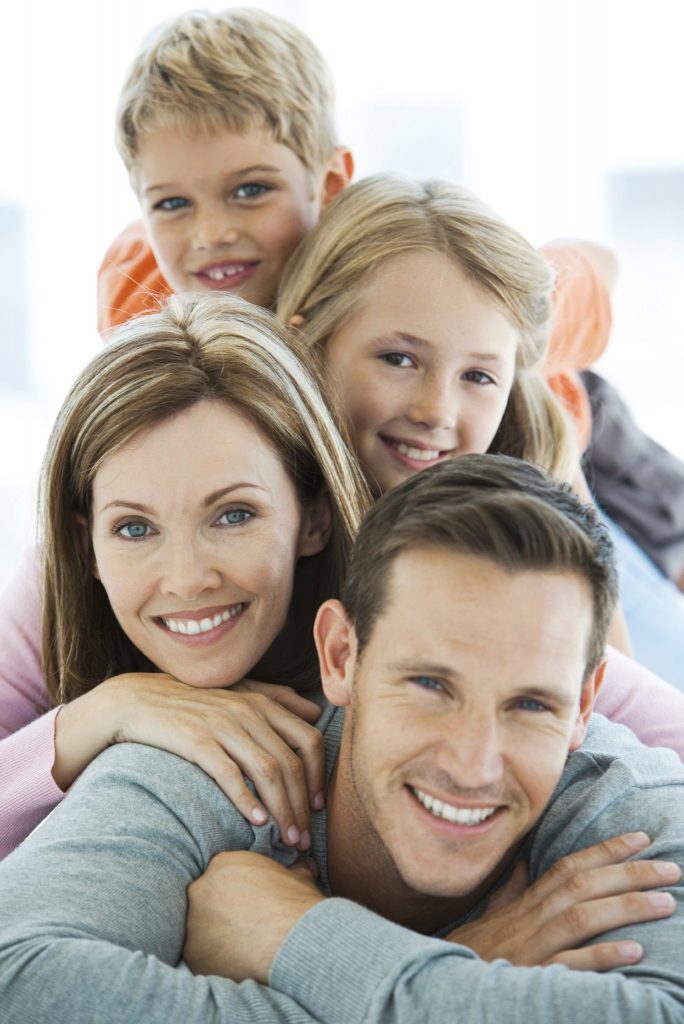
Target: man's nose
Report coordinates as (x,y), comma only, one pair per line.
(472,749)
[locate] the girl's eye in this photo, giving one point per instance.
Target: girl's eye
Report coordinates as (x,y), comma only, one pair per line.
(252,190)
(133,531)
(478,377)
(234,517)
(172,203)
(399,359)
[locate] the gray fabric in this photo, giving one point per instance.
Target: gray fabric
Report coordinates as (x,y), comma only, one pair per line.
(92,909)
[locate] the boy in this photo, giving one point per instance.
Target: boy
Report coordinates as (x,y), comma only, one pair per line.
(225,127)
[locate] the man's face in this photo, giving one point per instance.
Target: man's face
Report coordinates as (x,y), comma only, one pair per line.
(464,705)
(223,212)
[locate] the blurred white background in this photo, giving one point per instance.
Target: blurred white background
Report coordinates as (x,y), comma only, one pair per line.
(565,117)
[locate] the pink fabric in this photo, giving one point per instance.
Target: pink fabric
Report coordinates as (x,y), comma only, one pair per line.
(630,694)
(27,746)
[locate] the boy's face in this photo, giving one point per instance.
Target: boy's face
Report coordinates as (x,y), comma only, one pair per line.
(224,212)
(464,704)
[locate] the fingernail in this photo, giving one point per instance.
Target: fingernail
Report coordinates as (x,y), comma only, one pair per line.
(667,868)
(661,900)
(259,816)
(630,950)
(293,835)
(305,841)
(318,802)
(637,840)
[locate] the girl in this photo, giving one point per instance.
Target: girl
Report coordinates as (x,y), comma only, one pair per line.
(198,504)
(429,317)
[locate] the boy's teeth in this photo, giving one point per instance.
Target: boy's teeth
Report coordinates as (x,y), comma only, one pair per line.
(191,627)
(457,815)
(219,273)
(422,454)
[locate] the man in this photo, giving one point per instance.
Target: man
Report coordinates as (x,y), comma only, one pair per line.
(467,651)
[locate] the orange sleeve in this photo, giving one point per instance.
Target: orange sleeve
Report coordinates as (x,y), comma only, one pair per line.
(128,281)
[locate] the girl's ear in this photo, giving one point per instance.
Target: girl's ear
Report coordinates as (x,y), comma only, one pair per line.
(336,646)
(297,320)
(315,527)
(85,542)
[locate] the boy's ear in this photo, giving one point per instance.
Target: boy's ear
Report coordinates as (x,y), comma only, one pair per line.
(83,534)
(336,646)
(315,527)
(337,173)
(590,688)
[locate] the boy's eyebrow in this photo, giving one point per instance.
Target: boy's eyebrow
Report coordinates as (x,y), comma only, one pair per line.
(240,173)
(416,342)
(206,502)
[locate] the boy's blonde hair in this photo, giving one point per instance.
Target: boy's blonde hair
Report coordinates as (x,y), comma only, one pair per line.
(384,216)
(241,69)
(217,348)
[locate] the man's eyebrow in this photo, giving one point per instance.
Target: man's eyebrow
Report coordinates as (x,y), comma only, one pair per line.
(423,668)
(404,338)
(239,173)
(547,695)
(206,502)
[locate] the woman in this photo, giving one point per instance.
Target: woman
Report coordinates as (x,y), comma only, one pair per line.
(429,317)
(198,504)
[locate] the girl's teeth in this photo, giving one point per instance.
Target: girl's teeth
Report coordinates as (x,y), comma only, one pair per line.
(191,627)
(421,454)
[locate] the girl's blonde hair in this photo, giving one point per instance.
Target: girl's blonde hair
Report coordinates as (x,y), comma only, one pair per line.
(384,216)
(196,348)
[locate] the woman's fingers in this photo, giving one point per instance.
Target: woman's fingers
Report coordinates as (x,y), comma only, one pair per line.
(283,695)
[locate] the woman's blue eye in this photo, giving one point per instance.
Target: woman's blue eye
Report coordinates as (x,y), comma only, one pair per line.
(235,517)
(251,190)
(133,531)
(172,203)
(399,359)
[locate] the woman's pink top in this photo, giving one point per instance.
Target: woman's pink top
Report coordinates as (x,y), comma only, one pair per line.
(630,694)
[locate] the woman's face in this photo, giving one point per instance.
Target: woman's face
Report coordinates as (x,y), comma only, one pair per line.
(423,367)
(196,529)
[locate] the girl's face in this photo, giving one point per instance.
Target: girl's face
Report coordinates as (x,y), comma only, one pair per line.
(196,530)
(423,367)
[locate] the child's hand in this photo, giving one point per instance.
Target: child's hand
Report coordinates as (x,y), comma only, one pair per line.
(252,728)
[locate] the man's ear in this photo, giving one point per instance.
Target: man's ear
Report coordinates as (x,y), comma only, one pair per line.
(337,174)
(336,646)
(590,689)
(315,527)
(86,545)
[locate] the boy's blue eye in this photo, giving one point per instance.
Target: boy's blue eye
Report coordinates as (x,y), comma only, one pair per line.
(172,203)
(251,190)
(235,517)
(399,359)
(133,531)
(478,377)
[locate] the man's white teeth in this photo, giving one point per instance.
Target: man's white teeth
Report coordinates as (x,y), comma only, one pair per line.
(191,627)
(220,273)
(457,815)
(421,454)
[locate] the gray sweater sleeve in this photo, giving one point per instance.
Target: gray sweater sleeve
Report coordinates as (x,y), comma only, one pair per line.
(93,905)
(343,963)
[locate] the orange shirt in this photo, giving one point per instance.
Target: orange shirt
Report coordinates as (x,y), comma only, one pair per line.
(128,281)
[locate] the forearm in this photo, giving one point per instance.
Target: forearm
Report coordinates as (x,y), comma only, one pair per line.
(343,963)
(28,790)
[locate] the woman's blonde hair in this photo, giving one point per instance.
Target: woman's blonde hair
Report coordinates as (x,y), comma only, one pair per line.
(196,348)
(384,216)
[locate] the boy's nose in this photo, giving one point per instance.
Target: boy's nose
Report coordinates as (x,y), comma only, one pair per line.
(212,232)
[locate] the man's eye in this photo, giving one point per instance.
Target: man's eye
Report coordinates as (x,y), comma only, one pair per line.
(529,704)
(172,203)
(427,683)
(133,531)
(251,190)
(234,517)
(399,359)
(478,377)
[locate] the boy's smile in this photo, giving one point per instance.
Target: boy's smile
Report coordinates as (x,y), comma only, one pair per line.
(223,212)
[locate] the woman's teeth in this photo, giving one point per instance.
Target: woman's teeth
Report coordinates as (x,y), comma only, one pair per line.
(191,627)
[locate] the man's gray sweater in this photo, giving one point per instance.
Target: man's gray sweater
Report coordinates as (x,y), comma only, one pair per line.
(93,904)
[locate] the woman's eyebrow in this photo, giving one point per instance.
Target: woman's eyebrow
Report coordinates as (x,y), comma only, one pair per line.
(209,500)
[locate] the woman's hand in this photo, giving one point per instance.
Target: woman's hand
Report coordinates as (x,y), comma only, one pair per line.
(258,729)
